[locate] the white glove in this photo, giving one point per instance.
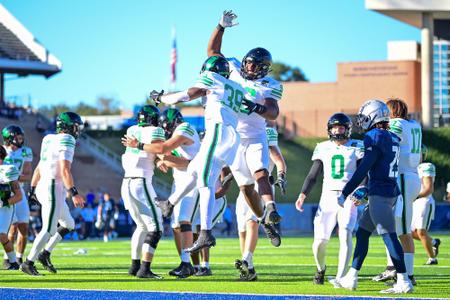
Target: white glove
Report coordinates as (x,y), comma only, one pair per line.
(341,200)
(227,19)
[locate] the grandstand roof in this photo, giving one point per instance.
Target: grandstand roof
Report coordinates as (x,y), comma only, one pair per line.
(20,52)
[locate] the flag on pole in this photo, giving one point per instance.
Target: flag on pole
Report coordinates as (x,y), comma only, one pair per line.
(173,58)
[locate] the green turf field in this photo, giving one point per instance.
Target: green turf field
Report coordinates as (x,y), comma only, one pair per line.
(285,270)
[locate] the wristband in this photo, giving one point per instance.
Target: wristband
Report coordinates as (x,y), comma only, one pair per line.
(73,191)
(220,28)
(140,146)
(260,109)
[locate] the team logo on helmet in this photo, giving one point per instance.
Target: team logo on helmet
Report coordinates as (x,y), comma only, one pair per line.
(148,116)
(217,64)
(169,120)
(13,135)
(371,113)
(70,123)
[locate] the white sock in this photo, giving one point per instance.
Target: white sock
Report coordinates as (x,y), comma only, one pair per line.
(11,257)
(19,255)
(5,256)
(389,259)
(137,240)
(248,257)
(185,256)
(345,251)
(148,249)
(54,240)
(409,263)
(319,248)
(205,264)
(207,200)
(352,273)
(38,245)
(402,277)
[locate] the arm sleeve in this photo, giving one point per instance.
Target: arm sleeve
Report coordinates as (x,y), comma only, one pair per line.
(366,179)
(311,178)
(370,157)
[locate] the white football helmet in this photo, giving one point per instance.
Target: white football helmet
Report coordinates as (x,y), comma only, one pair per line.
(371,113)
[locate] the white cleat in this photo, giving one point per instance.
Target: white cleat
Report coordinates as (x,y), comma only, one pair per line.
(348,282)
(335,283)
(399,288)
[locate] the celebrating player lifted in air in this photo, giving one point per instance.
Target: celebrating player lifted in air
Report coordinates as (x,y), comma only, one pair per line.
(252,158)
(222,101)
(138,193)
(337,160)
(381,150)
(51,179)
(20,156)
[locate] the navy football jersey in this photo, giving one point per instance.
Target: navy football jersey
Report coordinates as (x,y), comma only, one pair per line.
(383,173)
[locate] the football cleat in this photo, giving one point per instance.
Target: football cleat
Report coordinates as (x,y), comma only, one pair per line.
(185,271)
(29,268)
(134,268)
(319,277)
(388,274)
(166,207)
(176,270)
(142,273)
(272,234)
(19,260)
(14,266)
(436,244)
(272,216)
(6,264)
(399,288)
(247,274)
(203,272)
(205,240)
(348,282)
(44,259)
(432,261)
(335,283)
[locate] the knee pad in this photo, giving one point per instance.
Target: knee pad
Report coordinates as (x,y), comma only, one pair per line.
(185,227)
(63,231)
(264,187)
(152,238)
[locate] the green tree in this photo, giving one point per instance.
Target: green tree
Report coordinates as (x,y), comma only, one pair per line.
(283,72)
(107,106)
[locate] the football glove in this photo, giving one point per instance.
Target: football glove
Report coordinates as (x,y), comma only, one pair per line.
(32,199)
(281,182)
(227,19)
(360,196)
(248,107)
(156,96)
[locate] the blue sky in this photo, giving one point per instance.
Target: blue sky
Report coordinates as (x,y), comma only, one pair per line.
(121,49)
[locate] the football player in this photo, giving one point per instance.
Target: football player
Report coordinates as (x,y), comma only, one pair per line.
(9,184)
(337,160)
(20,156)
(410,133)
(51,179)
(138,194)
(222,101)
(252,159)
(247,221)
(423,210)
(380,162)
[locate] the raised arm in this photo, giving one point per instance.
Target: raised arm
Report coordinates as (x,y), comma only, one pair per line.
(215,41)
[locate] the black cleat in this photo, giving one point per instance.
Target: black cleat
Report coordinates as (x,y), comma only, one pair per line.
(319,277)
(203,272)
(6,264)
(205,240)
(44,259)
(19,260)
(436,244)
(166,207)
(388,274)
(135,266)
(412,279)
(175,271)
(29,268)
(247,274)
(272,234)
(143,273)
(431,261)
(186,270)
(14,266)
(272,215)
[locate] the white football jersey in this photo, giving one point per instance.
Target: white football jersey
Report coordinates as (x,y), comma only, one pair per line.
(339,162)
(8,173)
(223,101)
(254,125)
(410,134)
(54,148)
(186,151)
(18,157)
(139,163)
(427,170)
(272,140)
